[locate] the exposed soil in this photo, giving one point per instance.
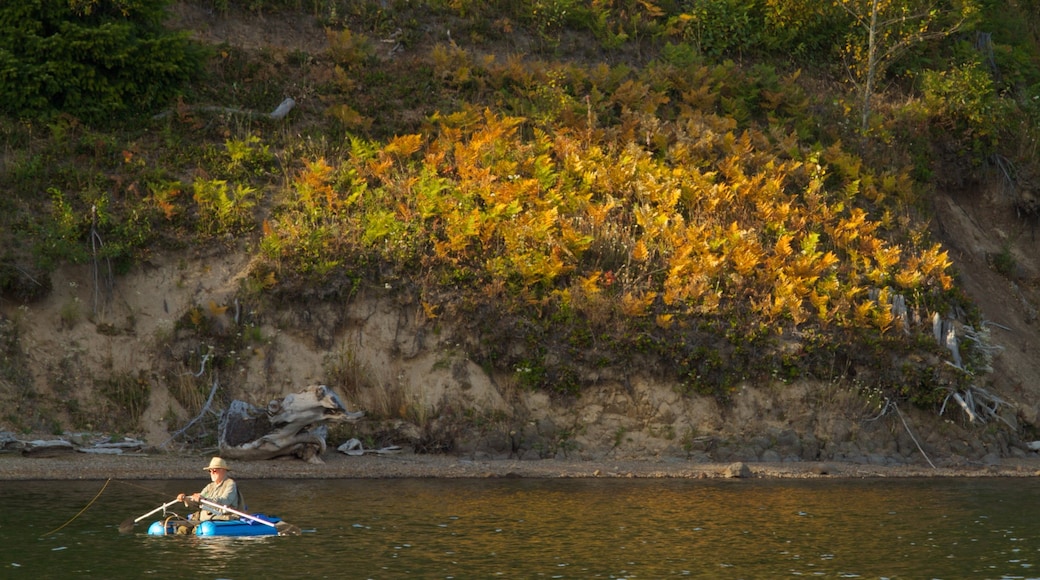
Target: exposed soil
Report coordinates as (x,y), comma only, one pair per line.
(619,429)
(976,227)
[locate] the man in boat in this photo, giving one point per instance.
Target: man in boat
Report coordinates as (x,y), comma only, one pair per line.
(221,490)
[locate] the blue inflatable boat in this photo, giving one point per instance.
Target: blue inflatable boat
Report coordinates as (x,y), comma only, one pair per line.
(246,524)
(256,525)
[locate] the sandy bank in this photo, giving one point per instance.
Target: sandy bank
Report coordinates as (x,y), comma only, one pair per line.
(75,465)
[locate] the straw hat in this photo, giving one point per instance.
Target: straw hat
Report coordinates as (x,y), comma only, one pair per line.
(217,463)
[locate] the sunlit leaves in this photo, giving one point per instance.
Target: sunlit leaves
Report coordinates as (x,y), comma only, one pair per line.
(380,224)
(886,29)
(223,208)
(636,305)
(313,186)
(696,216)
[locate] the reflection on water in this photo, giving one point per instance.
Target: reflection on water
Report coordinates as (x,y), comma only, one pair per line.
(588,528)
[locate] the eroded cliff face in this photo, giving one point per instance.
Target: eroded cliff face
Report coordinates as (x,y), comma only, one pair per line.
(122,354)
(127,357)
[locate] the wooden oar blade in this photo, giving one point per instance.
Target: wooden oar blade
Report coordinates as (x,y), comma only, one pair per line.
(127,526)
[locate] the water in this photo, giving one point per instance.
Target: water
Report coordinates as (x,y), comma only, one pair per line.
(520,528)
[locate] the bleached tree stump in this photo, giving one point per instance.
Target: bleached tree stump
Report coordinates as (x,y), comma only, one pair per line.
(294,425)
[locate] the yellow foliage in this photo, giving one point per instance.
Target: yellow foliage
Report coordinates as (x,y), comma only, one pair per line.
(883,317)
(826,262)
(195,315)
(590,284)
(635,305)
(379,167)
(745,258)
(564,295)
(804,269)
(639,251)
(820,302)
(701,98)
(313,183)
(673,293)
(537,267)
(575,242)
(909,277)
(693,207)
(637,96)
(649,219)
(849,293)
(774,213)
(877,276)
(404,145)
(782,247)
(867,247)
(429,310)
(215,309)
(795,311)
(269,280)
(709,301)
(850,228)
(862,313)
(886,257)
(163,198)
(935,261)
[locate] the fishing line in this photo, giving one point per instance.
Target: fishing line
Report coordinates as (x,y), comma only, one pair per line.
(141,487)
(85,508)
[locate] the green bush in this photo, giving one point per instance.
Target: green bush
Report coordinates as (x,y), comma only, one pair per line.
(719,27)
(803,28)
(90,58)
(963,102)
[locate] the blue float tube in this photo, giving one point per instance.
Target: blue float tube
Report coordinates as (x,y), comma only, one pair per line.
(240,527)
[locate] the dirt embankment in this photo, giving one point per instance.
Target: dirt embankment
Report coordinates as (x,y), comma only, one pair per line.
(626,420)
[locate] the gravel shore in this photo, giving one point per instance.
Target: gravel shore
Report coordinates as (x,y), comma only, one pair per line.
(141,466)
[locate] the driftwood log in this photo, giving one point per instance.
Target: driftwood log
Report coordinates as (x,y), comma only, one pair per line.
(295,425)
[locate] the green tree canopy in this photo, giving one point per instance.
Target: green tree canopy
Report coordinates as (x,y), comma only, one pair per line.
(90,58)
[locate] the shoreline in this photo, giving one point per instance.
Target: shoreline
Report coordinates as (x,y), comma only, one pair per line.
(71,466)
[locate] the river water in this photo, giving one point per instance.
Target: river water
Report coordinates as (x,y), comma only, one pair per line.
(556,528)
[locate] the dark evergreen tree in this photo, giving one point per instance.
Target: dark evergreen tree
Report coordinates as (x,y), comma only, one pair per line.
(90,58)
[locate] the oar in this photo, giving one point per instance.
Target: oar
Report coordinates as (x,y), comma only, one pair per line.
(128,525)
(284,528)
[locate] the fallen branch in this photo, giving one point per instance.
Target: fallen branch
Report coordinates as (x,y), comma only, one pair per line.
(202,412)
(202,368)
(911,434)
(978,404)
(97,243)
(884,410)
(279,113)
(982,343)
(294,425)
(1000,326)
(968,409)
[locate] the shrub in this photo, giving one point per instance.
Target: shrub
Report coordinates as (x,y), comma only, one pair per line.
(90,58)
(963,102)
(804,28)
(719,28)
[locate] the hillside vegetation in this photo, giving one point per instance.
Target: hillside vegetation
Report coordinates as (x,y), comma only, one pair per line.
(709,192)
